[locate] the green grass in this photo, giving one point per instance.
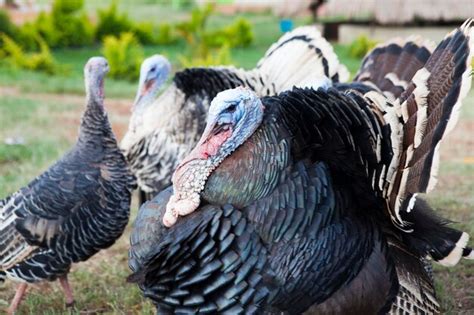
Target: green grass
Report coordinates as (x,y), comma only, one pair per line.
(29,120)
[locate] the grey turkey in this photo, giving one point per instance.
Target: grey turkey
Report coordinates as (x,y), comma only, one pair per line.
(286,205)
(77,207)
(171,125)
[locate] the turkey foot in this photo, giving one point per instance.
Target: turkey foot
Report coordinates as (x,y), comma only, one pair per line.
(67,291)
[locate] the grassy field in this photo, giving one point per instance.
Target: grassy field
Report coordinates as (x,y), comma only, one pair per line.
(44,112)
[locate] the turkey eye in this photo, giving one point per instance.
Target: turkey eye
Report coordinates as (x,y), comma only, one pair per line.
(231,108)
(153,69)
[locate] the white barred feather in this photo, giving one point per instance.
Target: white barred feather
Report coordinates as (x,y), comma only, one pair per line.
(289,63)
(13,246)
(456,254)
(420,93)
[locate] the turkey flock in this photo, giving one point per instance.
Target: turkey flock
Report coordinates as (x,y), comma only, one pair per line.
(284,189)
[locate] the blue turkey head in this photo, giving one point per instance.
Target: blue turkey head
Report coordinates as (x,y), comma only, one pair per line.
(233,117)
(154,72)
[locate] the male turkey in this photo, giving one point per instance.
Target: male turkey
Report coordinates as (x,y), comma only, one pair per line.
(307,200)
(79,206)
(172,125)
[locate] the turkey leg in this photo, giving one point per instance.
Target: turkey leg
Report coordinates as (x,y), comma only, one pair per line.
(20,292)
(67,291)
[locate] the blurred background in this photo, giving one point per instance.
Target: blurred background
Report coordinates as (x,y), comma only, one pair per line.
(44,45)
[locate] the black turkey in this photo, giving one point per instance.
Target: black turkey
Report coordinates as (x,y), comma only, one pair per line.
(79,206)
(306,201)
(171,126)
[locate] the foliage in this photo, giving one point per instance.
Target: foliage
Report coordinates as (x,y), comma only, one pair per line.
(361,46)
(194,29)
(238,34)
(27,35)
(41,61)
(220,57)
(74,31)
(6,25)
(210,47)
(124,54)
(165,34)
(45,27)
(112,23)
(144,33)
(66,25)
(67,6)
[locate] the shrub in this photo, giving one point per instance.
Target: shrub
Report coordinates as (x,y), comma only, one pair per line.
(67,6)
(144,33)
(41,61)
(361,46)
(75,31)
(124,55)
(46,28)
(238,34)
(202,42)
(65,26)
(112,23)
(12,50)
(6,25)
(221,56)
(27,35)
(73,27)
(194,29)
(165,34)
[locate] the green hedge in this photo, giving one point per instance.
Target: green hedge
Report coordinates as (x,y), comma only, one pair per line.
(42,61)
(67,25)
(361,46)
(124,54)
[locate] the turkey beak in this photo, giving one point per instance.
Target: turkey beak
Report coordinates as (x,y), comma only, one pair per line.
(144,91)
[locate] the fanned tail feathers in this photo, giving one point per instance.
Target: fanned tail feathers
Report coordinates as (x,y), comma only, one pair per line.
(390,67)
(306,56)
(427,110)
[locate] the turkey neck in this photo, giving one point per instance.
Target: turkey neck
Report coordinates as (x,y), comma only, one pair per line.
(94,123)
(253,170)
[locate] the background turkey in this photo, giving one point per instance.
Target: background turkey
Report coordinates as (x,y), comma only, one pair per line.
(77,207)
(154,72)
(323,185)
(172,125)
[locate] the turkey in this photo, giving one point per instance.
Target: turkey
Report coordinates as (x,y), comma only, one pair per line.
(79,206)
(154,72)
(172,125)
(294,196)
